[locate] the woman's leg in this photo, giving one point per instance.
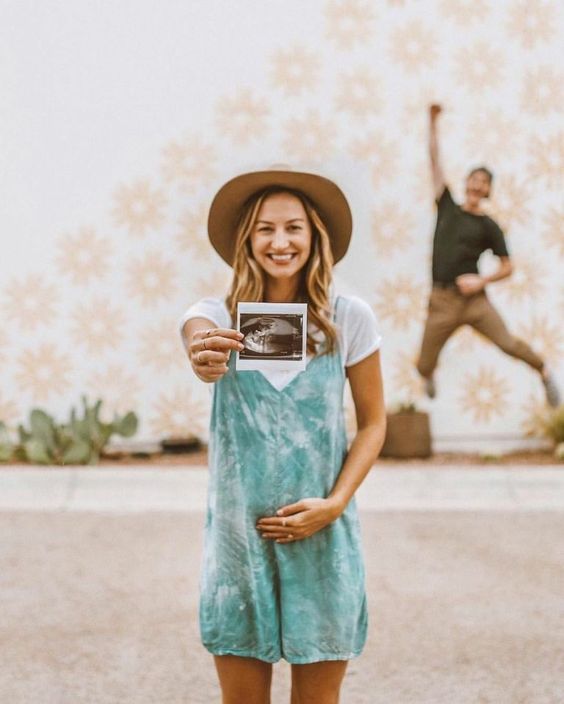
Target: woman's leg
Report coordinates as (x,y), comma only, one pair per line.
(318,682)
(243,679)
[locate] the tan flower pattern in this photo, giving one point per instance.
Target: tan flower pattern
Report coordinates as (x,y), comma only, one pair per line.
(311,137)
(381,152)
(478,67)
(358,93)
(484,394)
(160,347)
(553,230)
(151,278)
(43,371)
(295,70)
(30,301)
(527,281)
(242,117)
(464,11)
(118,388)
(466,340)
(217,279)
(189,163)
(510,202)
(139,207)
(349,22)
(543,91)
(534,413)
(547,159)
(192,236)
(179,413)
(400,300)
(84,256)
(492,135)
(98,325)
(413,46)
(545,336)
(406,381)
(391,229)
(532,23)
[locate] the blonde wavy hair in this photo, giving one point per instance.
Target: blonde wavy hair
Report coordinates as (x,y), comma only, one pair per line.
(248,282)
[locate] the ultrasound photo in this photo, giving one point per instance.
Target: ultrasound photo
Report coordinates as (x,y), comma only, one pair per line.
(275,336)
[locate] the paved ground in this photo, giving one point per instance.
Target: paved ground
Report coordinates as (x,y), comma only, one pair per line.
(99,594)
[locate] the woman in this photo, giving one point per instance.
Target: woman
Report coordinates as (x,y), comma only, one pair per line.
(282,572)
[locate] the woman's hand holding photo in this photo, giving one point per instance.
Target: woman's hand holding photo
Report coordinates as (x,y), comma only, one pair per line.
(209,352)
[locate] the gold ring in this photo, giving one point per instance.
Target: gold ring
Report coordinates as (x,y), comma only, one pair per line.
(204,343)
(208,332)
(284,522)
(198,360)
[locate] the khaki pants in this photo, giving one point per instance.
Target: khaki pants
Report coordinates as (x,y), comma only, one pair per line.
(449,309)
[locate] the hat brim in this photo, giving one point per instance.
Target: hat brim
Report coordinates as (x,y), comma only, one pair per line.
(327,198)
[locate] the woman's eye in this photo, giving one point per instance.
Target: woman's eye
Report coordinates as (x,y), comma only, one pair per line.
(295,227)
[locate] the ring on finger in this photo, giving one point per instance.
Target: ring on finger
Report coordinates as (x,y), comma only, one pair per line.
(284,522)
(198,360)
(290,536)
(204,343)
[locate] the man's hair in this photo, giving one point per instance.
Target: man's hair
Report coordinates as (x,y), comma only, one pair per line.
(483,170)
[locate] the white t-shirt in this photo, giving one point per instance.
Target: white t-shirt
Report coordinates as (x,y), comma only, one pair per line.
(358,332)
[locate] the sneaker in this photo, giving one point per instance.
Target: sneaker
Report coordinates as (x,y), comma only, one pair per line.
(430,388)
(551,390)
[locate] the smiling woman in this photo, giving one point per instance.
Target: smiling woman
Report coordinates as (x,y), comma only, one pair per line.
(282,572)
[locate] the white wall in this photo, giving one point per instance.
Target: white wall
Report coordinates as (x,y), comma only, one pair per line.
(119,120)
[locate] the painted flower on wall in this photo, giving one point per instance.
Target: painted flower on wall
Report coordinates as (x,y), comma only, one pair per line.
(532,23)
(192,235)
(98,325)
(311,137)
(543,91)
(43,371)
(553,230)
(392,229)
(400,300)
(151,277)
(413,46)
(160,347)
(294,70)
(349,22)
(484,394)
(406,382)
(478,67)
(118,388)
(189,162)
(545,336)
(30,301)
(358,93)
(84,257)
(139,207)
(178,413)
(547,159)
(464,12)
(242,117)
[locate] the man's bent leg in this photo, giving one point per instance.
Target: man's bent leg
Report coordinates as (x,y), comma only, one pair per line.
(442,320)
(483,317)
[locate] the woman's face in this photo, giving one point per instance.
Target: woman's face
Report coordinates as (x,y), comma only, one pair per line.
(281,236)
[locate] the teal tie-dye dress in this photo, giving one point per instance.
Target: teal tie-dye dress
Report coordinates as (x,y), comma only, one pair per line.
(305,600)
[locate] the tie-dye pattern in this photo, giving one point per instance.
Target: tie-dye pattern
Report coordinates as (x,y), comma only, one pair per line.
(303,601)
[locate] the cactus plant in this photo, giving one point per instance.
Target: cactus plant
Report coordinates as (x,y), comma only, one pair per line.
(80,441)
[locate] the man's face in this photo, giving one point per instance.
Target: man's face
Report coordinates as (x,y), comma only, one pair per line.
(478,185)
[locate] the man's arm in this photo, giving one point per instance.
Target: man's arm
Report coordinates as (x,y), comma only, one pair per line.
(436,169)
(468,284)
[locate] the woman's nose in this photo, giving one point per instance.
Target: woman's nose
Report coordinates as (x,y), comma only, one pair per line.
(280,238)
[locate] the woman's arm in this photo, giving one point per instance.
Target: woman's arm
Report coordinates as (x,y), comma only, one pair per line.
(306,517)
(368,395)
(208,347)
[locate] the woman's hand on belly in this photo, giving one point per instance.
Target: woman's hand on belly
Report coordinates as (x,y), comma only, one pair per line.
(299,520)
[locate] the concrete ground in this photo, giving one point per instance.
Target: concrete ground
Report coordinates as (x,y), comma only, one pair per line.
(99,572)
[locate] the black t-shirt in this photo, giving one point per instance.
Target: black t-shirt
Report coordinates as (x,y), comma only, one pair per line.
(460,238)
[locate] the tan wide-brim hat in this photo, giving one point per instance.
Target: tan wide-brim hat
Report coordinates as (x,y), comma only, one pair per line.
(327,198)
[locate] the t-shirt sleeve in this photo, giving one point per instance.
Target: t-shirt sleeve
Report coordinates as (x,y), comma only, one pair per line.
(496,239)
(359,330)
(445,200)
(213,309)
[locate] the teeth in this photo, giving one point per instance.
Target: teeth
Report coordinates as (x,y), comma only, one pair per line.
(281,257)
